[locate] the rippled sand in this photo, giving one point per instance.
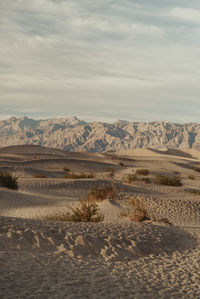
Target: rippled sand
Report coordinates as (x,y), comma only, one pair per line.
(116,258)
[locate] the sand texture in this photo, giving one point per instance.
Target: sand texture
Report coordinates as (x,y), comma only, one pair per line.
(115,258)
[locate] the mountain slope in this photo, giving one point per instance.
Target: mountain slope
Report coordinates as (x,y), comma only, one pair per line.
(73,134)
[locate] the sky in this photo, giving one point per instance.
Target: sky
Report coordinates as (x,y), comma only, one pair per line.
(100,60)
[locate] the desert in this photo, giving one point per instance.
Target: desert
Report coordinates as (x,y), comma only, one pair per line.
(99,149)
(145,245)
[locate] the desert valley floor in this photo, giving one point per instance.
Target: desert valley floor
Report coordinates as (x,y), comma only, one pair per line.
(118,257)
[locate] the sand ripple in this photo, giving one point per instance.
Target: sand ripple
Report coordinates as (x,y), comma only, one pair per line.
(85,241)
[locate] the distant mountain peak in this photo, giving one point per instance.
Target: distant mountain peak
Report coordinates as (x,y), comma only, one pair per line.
(73,134)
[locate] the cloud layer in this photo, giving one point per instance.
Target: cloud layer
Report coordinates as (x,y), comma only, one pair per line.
(100,60)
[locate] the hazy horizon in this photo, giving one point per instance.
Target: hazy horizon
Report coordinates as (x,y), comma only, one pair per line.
(96,120)
(100,61)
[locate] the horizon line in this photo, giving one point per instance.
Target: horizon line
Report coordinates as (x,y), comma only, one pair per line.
(94,121)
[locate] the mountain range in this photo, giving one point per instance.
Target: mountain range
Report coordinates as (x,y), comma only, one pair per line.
(73,134)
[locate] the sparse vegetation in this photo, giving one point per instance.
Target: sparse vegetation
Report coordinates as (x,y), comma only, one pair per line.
(191,177)
(110,170)
(165,220)
(176,172)
(99,193)
(66,169)
(146,180)
(142,172)
(194,191)
(121,163)
(8,180)
(168,181)
(81,175)
(131,178)
(139,213)
(87,211)
(39,176)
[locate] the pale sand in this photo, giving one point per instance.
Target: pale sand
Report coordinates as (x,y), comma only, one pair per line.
(112,259)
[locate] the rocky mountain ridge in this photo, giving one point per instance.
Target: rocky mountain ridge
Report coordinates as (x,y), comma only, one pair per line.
(73,134)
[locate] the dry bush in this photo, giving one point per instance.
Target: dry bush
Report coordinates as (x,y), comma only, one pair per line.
(166,221)
(194,191)
(8,180)
(146,180)
(139,213)
(99,193)
(81,175)
(142,172)
(87,211)
(66,169)
(191,177)
(131,178)
(168,181)
(110,170)
(39,176)
(121,163)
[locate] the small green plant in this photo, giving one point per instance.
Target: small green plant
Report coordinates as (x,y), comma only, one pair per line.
(81,175)
(39,176)
(142,172)
(66,169)
(8,180)
(131,178)
(99,193)
(191,177)
(121,163)
(168,181)
(87,211)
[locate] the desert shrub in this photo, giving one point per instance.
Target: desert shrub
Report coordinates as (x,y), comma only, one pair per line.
(168,181)
(131,178)
(66,169)
(8,180)
(87,211)
(139,213)
(176,172)
(99,193)
(81,175)
(142,172)
(165,220)
(146,180)
(39,176)
(191,177)
(194,191)
(121,163)
(124,213)
(110,170)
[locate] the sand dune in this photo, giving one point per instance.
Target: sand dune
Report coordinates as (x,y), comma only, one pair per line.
(88,241)
(116,258)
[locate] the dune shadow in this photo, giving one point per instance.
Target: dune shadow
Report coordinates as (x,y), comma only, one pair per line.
(93,241)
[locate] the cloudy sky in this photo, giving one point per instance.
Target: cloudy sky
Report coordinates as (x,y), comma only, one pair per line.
(100,60)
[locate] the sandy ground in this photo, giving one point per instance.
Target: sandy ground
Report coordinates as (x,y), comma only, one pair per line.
(116,258)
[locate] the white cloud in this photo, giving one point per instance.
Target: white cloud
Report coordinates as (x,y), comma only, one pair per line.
(186,14)
(95,58)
